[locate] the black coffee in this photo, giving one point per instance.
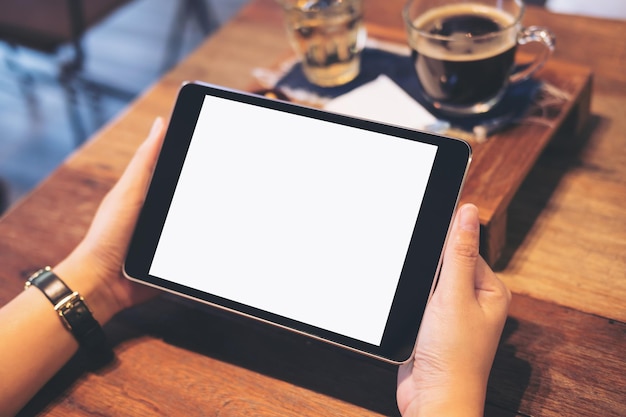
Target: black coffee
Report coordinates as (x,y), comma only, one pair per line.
(471,65)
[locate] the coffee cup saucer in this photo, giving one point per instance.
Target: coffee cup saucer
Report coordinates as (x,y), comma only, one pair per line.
(399,68)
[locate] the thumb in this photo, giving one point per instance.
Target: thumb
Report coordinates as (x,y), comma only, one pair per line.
(461,254)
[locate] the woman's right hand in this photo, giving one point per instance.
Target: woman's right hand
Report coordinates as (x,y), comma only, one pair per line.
(460,331)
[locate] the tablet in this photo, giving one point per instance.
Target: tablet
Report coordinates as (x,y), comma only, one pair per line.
(327,225)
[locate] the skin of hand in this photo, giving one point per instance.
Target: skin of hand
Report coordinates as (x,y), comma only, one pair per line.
(460,331)
(100,255)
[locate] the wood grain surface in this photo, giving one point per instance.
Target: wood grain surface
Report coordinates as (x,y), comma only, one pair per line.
(562,352)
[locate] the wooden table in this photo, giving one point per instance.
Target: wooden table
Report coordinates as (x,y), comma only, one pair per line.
(563,351)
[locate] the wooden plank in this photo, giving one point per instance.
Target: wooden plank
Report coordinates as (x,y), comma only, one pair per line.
(500,165)
(555,361)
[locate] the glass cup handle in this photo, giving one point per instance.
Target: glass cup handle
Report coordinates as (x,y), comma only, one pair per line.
(534,34)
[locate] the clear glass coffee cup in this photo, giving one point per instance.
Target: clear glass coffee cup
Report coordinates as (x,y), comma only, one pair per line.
(329,36)
(464,51)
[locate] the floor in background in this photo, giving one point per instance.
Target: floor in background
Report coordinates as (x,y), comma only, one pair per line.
(127,50)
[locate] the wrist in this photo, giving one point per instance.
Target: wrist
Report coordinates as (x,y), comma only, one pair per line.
(80,277)
(465,399)
(74,313)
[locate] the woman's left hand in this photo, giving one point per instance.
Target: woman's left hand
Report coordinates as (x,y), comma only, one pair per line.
(94,268)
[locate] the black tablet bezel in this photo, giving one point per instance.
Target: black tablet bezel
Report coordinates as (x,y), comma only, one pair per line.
(423,256)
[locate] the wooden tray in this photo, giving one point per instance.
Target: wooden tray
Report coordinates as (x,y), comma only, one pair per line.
(501,163)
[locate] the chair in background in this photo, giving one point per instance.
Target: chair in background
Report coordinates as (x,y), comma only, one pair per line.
(199,10)
(47,26)
(56,27)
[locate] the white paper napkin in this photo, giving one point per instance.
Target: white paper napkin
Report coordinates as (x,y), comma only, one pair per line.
(383,101)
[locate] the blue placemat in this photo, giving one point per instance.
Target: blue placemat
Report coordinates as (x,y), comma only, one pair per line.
(400,69)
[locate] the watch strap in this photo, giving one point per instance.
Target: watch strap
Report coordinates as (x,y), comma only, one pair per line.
(74,314)
(51,285)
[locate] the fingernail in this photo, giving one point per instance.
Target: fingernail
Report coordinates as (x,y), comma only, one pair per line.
(468,217)
(156,126)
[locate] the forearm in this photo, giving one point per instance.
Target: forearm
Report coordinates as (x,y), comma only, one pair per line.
(35,346)
(35,343)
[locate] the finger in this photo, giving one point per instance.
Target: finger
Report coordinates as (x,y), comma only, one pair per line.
(461,254)
(145,158)
(139,170)
(486,279)
(489,286)
(130,190)
(154,137)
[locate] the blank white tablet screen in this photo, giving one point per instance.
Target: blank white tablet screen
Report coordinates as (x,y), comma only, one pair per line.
(299,217)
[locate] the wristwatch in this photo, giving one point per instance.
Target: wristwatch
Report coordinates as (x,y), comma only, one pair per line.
(74,314)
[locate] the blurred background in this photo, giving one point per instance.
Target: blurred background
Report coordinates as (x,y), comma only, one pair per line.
(47,108)
(52,97)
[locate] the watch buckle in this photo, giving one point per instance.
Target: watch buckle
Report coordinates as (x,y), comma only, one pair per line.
(67,304)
